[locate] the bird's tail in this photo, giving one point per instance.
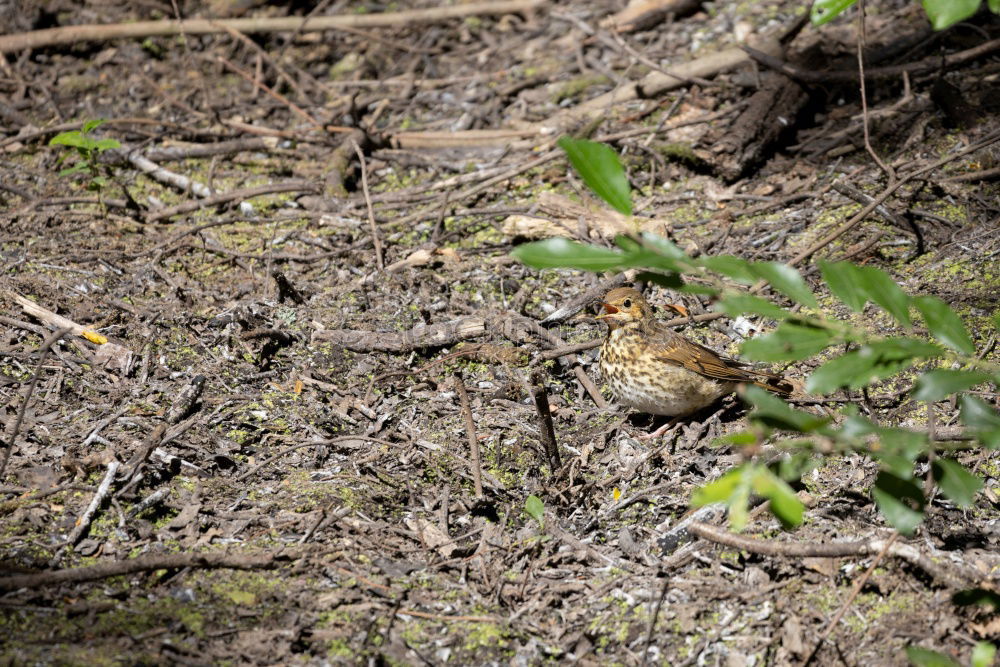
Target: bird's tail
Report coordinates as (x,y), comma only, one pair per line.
(773,382)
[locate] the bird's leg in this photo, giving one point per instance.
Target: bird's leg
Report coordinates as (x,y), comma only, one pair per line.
(660,431)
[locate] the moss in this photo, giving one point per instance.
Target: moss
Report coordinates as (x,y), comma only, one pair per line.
(578,85)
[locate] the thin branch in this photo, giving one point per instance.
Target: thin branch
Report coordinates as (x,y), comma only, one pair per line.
(862,40)
(376,241)
(139,29)
(938,564)
(44,353)
(83,523)
(470,432)
(858,585)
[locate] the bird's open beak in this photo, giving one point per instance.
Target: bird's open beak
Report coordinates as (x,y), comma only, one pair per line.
(609,310)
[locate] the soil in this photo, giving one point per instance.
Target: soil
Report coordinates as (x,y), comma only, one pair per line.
(277,419)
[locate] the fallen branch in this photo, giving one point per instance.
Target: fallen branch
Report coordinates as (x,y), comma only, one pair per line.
(150,563)
(939,565)
(141,29)
(177,153)
(83,523)
(167,177)
(110,355)
(929,64)
(224,197)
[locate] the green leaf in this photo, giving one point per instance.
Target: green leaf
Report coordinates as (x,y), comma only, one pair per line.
(940,383)
(534,508)
(665,247)
(977,596)
(733,489)
(66,139)
(739,303)
(980,415)
(792,467)
(785,505)
(957,484)
(880,288)
(772,411)
(786,280)
(641,255)
(944,324)
(92,125)
(791,341)
(841,278)
(994,6)
(852,370)
(738,269)
(106,144)
(891,493)
(601,170)
(694,288)
(924,657)
(870,363)
(719,490)
(946,13)
(668,280)
(984,653)
(897,449)
(560,253)
(739,439)
(823,11)
(75,169)
(904,347)
(977,413)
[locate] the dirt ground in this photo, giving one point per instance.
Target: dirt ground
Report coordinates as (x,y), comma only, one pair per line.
(277,433)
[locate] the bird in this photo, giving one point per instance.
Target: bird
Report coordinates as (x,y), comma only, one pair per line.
(653,369)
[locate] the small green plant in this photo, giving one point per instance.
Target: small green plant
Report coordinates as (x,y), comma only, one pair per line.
(982,656)
(534,508)
(88,149)
(942,13)
(948,362)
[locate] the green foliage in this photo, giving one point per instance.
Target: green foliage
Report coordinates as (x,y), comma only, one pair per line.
(601,171)
(734,489)
(534,508)
(866,358)
(88,149)
(982,656)
(942,13)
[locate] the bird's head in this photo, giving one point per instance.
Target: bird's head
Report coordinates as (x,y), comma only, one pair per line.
(623,306)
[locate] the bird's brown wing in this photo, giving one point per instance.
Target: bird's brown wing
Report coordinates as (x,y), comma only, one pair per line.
(672,348)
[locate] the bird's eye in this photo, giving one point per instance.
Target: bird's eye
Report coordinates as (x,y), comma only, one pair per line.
(627,303)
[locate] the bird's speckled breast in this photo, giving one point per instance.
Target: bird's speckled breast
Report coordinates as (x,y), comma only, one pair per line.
(639,380)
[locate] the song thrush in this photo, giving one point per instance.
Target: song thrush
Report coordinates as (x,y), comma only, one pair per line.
(656,370)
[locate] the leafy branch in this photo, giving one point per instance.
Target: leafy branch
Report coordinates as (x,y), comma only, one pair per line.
(947,362)
(942,13)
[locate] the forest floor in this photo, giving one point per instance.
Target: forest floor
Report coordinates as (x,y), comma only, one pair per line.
(277,433)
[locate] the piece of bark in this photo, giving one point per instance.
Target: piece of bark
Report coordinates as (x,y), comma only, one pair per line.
(644,14)
(772,110)
(656,83)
